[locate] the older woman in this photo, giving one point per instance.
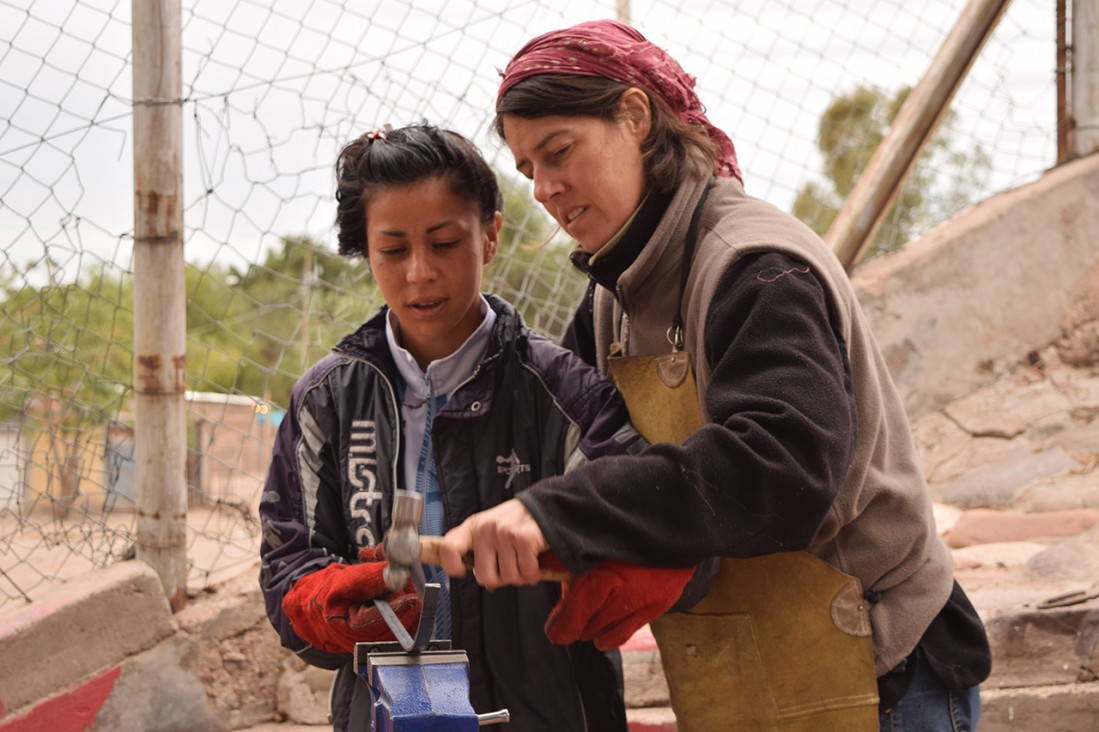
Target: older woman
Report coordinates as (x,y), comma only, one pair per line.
(779,441)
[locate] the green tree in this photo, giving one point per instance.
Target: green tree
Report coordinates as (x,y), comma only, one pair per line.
(850,130)
(250,331)
(532,269)
(255,331)
(70,340)
(68,365)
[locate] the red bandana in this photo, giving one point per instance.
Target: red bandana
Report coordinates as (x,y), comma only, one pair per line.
(616,51)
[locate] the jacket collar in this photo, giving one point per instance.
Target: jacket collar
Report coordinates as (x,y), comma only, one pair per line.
(659,262)
(606,265)
(369,341)
(444,374)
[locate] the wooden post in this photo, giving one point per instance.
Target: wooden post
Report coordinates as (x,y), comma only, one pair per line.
(160,439)
(622,11)
(1084,95)
(1064,117)
(880,183)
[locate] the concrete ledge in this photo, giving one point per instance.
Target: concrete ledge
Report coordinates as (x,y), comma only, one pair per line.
(642,672)
(79,630)
(1063,708)
(655,719)
(1036,648)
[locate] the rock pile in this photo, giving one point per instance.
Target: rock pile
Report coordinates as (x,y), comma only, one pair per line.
(1013,468)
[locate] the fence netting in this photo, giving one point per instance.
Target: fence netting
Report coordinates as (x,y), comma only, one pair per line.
(271,90)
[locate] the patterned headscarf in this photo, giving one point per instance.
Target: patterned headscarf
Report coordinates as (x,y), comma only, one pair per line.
(613,50)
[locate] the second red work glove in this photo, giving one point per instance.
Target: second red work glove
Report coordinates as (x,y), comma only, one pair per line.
(611,602)
(333,608)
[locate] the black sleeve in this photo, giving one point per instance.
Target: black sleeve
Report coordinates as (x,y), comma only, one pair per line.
(761,475)
(580,335)
(956,643)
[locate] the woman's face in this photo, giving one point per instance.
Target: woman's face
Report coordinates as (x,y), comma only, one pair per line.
(427,250)
(587,172)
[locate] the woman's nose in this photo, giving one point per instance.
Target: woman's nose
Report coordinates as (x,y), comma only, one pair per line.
(546,187)
(420,266)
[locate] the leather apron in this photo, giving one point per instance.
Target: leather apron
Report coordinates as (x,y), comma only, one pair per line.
(781,642)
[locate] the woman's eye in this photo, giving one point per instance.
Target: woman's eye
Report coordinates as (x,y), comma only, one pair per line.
(446,244)
(561,151)
(391,251)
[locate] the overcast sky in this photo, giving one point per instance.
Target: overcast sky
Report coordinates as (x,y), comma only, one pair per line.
(273,88)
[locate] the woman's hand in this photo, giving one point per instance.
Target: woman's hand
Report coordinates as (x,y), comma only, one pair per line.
(505,541)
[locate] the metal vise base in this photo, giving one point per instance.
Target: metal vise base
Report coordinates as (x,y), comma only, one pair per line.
(419,692)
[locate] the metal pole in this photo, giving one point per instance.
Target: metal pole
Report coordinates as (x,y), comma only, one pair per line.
(622,11)
(1064,118)
(1084,95)
(160,448)
(884,176)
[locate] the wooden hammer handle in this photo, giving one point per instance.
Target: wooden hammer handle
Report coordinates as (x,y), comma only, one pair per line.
(429,554)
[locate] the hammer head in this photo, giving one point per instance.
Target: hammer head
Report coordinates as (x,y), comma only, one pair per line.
(402,541)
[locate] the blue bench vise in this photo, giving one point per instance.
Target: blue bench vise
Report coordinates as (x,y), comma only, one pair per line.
(419,684)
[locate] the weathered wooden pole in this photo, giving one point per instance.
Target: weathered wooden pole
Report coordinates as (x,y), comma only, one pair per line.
(160,438)
(1085,77)
(880,183)
(622,11)
(1064,116)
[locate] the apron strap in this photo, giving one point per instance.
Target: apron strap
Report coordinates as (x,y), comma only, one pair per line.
(675,334)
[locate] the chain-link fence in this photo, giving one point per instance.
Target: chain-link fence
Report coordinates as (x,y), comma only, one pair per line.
(272,89)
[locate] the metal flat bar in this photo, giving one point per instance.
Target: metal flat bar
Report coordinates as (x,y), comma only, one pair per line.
(427,620)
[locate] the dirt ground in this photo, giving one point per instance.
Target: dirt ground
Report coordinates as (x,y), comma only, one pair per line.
(39,549)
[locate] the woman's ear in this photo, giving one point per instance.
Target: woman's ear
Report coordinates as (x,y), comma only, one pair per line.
(492,238)
(635,112)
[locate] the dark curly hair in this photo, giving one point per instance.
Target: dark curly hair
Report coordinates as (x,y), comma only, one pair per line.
(401,157)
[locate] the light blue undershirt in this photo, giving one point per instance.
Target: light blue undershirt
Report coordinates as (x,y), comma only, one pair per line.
(422,395)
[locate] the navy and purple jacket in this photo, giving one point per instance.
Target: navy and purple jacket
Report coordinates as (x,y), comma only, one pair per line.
(530,410)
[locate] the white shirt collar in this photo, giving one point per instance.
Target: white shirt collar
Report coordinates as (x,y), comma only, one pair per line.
(445,374)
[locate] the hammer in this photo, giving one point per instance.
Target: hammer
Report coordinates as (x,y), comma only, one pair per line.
(429,554)
(404,546)
(402,541)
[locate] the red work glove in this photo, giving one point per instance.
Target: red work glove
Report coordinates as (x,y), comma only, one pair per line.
(333,608)
(611,602)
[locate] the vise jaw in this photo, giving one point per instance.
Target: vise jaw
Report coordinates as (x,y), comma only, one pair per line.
(419,692)
(418,684)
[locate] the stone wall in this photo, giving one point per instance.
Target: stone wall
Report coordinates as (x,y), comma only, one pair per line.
(954,309)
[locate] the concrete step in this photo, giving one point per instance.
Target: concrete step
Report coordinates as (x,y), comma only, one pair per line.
(640,720)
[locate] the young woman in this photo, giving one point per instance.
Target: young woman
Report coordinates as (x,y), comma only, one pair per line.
(835,605)
(445,392)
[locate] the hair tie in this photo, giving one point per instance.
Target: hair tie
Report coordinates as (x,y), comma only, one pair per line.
(377,134)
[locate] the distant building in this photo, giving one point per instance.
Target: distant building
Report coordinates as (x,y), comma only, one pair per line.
(44,465)
(230,446)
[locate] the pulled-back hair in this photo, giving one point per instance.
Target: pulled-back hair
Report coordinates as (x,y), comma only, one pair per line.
(671,152)
(401,157)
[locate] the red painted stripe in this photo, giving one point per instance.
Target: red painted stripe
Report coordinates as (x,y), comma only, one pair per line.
(70,711)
